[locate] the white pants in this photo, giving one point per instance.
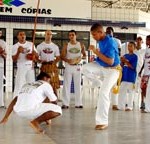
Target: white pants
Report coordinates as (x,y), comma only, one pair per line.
(110,76)
(25,74)
(147,99)
(39,110)
(126,95)
(72,71)
(1,86)
(114,98)
(137,92)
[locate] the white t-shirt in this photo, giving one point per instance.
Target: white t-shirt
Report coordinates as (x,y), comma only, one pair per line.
(118,42)
(140,53)
(22,60)
(3,46)
(48,52)
(147,62)
(33,94)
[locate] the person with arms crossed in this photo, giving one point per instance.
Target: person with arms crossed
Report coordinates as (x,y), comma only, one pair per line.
(107,66)
(71,54)
(2,58)
(31,103)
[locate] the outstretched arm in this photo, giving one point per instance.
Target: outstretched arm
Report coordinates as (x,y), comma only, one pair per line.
(9,110)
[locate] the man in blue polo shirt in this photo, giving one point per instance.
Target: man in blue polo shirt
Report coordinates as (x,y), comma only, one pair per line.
(105,66)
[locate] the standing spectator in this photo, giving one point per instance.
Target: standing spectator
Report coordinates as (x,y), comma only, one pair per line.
(49,56)
(72,53)
(2,58)
(145,77)
(114,96)
(140,52)
(129,63)
(23,54)
(107,65)
(110,31)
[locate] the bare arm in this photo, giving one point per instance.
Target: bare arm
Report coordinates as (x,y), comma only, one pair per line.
(9,110)
(139,74)
(83,51)
(57,59)
(16,56)
(3,53)
(105,59)
(64,53)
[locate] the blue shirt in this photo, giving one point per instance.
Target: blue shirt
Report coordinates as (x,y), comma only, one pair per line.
(108,47)
(129,74)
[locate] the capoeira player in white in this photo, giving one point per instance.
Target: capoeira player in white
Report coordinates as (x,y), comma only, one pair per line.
(107,65)
(25,69)
(30,103)
(72,53)
(2,57)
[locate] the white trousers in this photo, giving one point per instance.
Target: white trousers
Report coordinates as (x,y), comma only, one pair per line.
(114,99)
(72,71)
(39,110)
(109,76)
(25,74)
(147,99)
(137,93)
(126,95)
(1,86)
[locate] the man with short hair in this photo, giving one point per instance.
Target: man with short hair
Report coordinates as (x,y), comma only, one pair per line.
(72,53)
(2,58)
(30,103)
(22,54)
(49,56)
(107,66)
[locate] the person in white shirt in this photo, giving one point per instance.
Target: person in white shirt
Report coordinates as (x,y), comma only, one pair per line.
(31,103)
(145,82)
(114,96)
(25,66)
(140,52)
(49,56)
(2,58)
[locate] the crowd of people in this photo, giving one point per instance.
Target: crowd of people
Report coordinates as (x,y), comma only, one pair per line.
(36,98)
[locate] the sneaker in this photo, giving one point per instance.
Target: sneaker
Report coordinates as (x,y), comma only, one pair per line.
(142,105)
(101,127)
(65,107)
(79,106)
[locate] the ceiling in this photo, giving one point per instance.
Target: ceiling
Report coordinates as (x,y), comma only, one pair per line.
(143,5)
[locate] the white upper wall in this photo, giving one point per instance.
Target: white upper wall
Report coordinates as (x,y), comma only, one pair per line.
(49,8)
(115,14)
(130,15)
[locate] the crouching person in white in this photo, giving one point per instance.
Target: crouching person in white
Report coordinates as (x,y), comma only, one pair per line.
(36,102)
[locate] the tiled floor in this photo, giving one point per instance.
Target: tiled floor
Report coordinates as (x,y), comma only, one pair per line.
(76,126)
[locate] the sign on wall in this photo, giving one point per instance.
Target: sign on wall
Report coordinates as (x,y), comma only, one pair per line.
(47,8)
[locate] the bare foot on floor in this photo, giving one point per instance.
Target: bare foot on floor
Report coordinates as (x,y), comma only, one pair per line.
(36,127)
(48,122)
